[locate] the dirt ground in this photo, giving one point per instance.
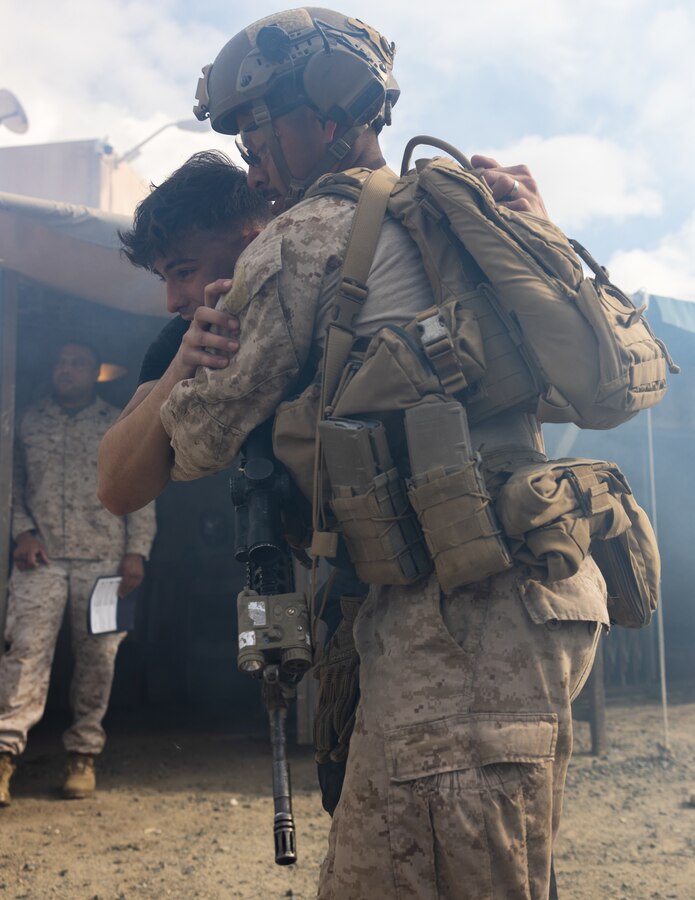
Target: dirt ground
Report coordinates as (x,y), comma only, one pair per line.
(186,812)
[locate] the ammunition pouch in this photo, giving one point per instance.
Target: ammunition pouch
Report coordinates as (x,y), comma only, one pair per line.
(370,504)
(381,518)
(448,492)
(460,527)
(554,514)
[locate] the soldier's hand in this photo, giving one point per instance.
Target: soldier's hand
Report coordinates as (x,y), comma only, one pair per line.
(202,346)
(511,186)
(29,552)
(132,572)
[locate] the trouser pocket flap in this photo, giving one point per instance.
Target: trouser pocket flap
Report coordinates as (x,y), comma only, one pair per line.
(469,741)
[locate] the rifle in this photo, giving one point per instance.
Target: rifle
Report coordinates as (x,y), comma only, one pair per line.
(273,619)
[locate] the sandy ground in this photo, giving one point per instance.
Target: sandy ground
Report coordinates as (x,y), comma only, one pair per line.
(186,812)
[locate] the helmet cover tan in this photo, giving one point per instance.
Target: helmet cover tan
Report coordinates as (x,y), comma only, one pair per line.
(314,56)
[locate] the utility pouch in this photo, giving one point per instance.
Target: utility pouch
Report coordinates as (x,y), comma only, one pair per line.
(555,513)
(448,493)
(294,436)
(631,566)
(370,503)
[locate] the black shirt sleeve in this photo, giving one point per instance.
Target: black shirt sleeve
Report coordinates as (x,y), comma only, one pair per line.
(162,350)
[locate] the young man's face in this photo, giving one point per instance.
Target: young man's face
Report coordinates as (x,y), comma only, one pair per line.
(74,375)
(303,138)
(198,260)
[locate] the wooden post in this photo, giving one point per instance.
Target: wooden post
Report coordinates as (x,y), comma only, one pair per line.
(597,705)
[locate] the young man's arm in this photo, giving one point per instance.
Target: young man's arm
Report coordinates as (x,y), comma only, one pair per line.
(135,455)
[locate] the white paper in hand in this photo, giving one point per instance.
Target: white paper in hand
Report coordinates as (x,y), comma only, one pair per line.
(103,605)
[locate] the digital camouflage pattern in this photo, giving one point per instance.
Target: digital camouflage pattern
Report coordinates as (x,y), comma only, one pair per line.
(457,763)
(55,494)
(37,602)
(55,486)
(462,739)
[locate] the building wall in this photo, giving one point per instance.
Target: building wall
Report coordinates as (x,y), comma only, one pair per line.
(79,172)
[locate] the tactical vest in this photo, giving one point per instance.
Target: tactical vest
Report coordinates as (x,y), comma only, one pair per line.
(516,326)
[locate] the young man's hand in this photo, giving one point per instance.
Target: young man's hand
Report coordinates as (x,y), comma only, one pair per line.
(132,572)
(212,338)
(29,552)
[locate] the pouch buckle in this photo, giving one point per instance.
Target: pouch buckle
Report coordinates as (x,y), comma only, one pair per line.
(439,348)
(432,330)
(593,496)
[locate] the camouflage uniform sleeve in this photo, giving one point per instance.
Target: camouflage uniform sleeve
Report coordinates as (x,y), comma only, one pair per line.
(275,294)
(21,517)
(140,528)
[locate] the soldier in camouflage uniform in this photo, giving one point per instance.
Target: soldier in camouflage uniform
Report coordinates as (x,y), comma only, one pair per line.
(463,734)
(64,540)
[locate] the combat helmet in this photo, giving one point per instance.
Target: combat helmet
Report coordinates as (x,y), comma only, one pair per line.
(335,64)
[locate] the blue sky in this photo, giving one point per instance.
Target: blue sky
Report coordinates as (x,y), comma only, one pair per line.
(598,98)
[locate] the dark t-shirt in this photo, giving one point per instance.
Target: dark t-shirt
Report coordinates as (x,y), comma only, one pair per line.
(162,350)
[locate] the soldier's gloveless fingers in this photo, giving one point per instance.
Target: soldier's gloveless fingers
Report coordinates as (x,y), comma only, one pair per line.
(214,291)
(520,205)
(484,162)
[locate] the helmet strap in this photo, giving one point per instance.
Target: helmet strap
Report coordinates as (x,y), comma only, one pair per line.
(333,156)
(295,187)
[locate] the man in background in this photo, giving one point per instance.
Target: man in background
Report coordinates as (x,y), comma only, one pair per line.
(64,540)
(189,231)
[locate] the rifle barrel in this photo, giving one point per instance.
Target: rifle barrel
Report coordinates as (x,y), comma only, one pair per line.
(283,828)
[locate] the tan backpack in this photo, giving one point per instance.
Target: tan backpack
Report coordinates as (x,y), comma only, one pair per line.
(517,325)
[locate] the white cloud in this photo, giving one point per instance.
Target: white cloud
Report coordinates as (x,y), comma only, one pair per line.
(668,270)
(584,178)
(86,69)
(614,140)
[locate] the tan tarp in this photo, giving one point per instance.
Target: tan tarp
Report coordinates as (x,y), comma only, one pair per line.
(75,250)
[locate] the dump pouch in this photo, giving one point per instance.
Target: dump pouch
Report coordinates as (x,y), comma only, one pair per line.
(555,513)
(448,493)
(370,504)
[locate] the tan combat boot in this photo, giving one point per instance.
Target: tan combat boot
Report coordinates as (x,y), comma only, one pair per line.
(6,770)
(80,780)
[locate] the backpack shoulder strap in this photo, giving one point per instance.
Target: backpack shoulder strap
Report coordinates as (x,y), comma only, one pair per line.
(349,300)
(352,289)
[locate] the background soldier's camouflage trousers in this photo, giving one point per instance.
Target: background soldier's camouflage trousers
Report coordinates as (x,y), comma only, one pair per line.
(458,759)
(36,606)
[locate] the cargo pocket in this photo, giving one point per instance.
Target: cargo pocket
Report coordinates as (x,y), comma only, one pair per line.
(470,803)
